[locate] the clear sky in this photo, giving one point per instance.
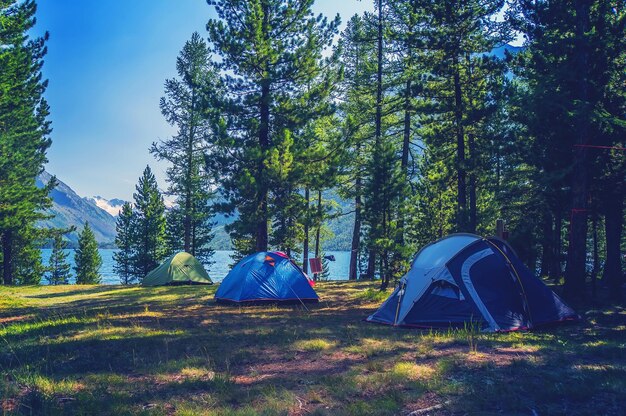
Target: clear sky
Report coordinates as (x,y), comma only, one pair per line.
(107,62)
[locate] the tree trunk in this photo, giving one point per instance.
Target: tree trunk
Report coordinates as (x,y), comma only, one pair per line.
(613,223)
(547,249)
(577,250)
(371,264)
(555,269)
(384,272)
(379,73)
(356,233)
(305,248)
(575,269)
(188,218)
(594,272)
(460,150)
(262,214)
(404,164)
(404,161)
(473,221)
(319,227)
(192,243)
(7,257)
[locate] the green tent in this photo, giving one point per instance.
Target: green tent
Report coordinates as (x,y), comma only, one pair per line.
(181,268)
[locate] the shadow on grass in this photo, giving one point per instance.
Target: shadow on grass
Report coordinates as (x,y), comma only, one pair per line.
(175,349)
(83,291)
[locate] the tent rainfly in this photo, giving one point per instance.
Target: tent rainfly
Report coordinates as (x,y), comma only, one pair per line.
(464,278)
(179,269)
(266,277)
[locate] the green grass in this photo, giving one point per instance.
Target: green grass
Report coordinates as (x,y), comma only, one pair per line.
(173,351)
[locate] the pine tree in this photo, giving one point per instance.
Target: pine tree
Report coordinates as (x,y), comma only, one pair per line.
(187,105)
(174,230)
(28,268)
(150,247)
(383,190)
(125,240)
(321,155)
(358,55)
(24,140)
(87,259)
(573,61)
(271,53)
(457,93)
(58,268)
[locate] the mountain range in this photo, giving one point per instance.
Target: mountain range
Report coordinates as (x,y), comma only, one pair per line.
(70,209)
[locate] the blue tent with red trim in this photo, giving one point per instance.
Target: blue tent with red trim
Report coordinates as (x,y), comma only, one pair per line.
(266,277)
(464,278)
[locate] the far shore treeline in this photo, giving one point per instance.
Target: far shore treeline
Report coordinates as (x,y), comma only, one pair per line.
(420,114)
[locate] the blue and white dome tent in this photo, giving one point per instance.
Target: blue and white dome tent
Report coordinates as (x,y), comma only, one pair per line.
(266,277)
(464,278)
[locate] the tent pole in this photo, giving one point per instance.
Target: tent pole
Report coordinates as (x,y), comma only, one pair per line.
(395,319)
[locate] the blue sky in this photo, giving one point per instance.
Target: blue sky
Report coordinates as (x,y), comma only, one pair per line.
(107,62)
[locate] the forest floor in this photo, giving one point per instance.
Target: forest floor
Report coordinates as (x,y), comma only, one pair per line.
(173,351)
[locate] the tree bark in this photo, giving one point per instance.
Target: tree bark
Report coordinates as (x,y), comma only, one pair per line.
(473,217)
(319,227)
(305,248)
(384,272)
(188,218)
(596,261)
(547,246)
(555,269)
(356,232)
(262,214)
(371,263)
(404,164)
(613,223)
(379,73)
(577,250)
(404,161)
(460,150)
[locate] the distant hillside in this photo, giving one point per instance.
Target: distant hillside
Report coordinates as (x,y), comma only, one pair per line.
(500,51)
(70,209)
(340,227)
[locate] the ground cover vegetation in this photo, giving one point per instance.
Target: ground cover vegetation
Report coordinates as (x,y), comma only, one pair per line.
(172,350)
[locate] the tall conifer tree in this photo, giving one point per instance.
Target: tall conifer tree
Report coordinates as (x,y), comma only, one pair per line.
(87,258)
(358,55)
(150,224)
(58,268)
(125,240)
(187,105)
(573,62)
(24,140)
(271,51)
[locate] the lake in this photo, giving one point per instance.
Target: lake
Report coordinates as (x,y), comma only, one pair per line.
(218,270)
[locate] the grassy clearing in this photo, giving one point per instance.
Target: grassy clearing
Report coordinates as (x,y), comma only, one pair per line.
(173,351)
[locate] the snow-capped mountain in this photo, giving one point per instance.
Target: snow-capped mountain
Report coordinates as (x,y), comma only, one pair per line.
(69,209)
(112,206)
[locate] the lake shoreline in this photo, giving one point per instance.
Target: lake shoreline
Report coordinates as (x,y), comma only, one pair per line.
(221,265)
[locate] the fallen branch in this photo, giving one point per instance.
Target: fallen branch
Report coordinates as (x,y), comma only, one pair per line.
(427,409)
